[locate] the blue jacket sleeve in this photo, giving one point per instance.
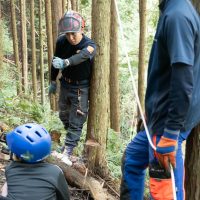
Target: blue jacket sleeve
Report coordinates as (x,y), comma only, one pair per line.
(181,87)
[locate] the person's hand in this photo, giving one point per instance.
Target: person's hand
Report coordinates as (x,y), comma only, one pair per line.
(52,88)
(59,63)
(166,150)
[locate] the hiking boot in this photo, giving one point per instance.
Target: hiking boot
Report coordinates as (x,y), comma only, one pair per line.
(69,150)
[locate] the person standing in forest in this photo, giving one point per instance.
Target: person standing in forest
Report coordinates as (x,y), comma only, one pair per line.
(172,105)
(73,55)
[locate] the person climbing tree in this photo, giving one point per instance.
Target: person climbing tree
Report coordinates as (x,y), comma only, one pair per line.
(172,105)
(74,55)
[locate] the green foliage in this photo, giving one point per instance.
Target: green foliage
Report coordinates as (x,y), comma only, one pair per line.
(115,147)
(85,3)
(7,42)
(19,110)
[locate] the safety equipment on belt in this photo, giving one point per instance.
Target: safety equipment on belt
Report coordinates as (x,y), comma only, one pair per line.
(52,88)
(30,142)
(59,63)
(160,182)
(166,150)
(71,22)
(79,109)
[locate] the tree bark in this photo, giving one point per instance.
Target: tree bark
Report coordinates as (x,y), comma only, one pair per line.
(99,91)
(15,46)
(49,45)
(73,4)
(64,6)
(142,53)
(192,163)
(56,10)
(114,72)
(49,33)
(24,46)
(41,55)
(1,49)
(33,51)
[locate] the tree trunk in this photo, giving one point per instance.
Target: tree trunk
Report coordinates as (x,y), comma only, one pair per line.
(24,46)
(192,163)
(1,49)
(15,46)
(73,4)
(99,92)
(64,6)
(33,51)
(49,33)
(49,45)
(77,5)
(41,55)
(114,72)
(142,42)
(56,10)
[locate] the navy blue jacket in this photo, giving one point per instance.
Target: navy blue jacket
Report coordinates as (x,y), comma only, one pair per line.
(172,99)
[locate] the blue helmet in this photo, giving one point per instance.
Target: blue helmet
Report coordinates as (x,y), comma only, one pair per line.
(31,142)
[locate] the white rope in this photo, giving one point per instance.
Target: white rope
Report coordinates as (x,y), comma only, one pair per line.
(135,93)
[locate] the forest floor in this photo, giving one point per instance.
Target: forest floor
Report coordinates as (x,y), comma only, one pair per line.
(75,193)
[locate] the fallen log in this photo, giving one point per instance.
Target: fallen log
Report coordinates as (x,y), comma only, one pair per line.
(85,182)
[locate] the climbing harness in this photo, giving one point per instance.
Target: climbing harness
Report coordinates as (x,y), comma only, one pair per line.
(137,97)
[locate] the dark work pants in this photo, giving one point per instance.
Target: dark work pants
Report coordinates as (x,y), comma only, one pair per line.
(71,100)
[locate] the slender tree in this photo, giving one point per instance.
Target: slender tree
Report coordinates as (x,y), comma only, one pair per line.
(24,46)
(56,10)
(73,4)
(49,32)
(64,3)
(114,72)
(192,163)
(77,5)
(142,53)
(99,93)
(49,44)
(1,49)
(33,51)
(15,45)
(41,55)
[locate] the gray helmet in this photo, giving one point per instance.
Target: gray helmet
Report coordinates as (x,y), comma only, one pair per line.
(71,22)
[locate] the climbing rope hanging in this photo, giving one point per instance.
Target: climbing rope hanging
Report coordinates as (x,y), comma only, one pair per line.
(135,93)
